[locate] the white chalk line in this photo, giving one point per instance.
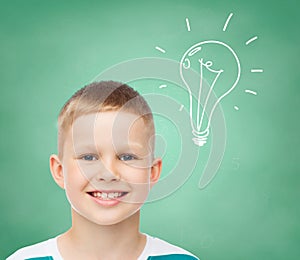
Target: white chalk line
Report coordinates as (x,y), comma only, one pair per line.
(181,107)
(236,108)
(251,92)
(251,40)
(160,49)
(257,70)
(188,24)
(227,21)
(163,86)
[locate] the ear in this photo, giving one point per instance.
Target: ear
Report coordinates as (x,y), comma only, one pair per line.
(155,171)
(57,170)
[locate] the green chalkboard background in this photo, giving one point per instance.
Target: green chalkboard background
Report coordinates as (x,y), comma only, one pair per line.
(49,49)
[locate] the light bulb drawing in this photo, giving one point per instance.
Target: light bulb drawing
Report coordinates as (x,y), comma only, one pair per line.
(210,70)
(196,57)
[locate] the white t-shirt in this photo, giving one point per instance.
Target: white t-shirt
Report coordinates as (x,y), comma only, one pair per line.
(155,248)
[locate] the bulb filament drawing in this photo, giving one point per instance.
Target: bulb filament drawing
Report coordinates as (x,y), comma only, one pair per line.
(220,63)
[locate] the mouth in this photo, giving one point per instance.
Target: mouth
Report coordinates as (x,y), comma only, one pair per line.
(112,195)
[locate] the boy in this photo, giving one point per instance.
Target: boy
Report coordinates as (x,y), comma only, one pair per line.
(106,166)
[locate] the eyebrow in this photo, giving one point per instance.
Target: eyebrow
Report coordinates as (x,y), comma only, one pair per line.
(84,146)
(123,146)
(129,145)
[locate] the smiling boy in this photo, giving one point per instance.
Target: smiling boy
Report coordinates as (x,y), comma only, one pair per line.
(106,166)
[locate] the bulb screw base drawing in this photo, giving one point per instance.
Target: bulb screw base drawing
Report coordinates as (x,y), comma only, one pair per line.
(200,140)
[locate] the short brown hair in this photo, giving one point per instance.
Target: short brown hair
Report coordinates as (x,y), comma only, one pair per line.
(101,97)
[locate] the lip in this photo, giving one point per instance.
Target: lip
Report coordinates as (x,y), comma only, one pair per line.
(107,202)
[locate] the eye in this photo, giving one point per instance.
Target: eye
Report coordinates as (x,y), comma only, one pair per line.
(89,157)
(127,157)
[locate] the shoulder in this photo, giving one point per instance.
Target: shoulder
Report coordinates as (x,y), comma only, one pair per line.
(42,250)
(157,248)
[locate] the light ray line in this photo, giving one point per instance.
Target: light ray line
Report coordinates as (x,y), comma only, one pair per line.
(251,92)
(251,40)
(188,24)
(163,86)
(257,70)
(227,21)
(160,49)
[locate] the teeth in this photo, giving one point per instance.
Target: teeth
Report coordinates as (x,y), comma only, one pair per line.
(106,196)
(111,195)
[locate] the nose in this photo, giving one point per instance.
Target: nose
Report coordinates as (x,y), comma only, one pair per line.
(107,173)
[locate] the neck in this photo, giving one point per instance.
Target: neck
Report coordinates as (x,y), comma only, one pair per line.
(91,239)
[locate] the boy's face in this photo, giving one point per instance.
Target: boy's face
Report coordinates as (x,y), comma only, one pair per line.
(107,166)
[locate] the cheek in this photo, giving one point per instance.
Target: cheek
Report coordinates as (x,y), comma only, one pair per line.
(135,174)
(138,180)
(74,178)
(74,186)
(139,193)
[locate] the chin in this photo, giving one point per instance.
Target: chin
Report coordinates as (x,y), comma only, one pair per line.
(113,219)
(107,217)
